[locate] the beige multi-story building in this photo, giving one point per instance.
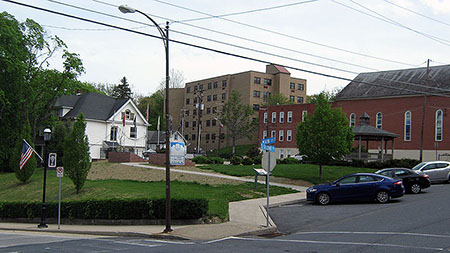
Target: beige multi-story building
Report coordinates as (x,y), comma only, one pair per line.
(200,102)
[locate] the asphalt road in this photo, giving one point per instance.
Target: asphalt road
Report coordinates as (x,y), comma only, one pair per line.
(413,223)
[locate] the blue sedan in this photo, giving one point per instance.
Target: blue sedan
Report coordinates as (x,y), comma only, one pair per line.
(360,186)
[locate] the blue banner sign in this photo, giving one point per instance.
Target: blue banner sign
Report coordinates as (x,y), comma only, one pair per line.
(267,147)
(270,140)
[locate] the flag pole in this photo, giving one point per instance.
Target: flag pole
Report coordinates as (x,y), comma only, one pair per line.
(33,150)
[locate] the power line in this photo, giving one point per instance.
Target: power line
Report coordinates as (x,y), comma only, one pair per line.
(287,35)
(391,21)
(223,52)
(229,44)
(247,12)
(418,13)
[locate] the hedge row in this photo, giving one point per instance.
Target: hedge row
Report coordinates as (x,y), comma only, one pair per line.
(396,163)
(207,160)
(154,209)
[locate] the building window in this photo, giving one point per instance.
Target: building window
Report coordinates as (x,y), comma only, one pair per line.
(304,114)
(292,98)
(265,117)
(224,83)
(379,120)
(208,98)
(215,97)
(215,85)
(208,110)
(439,125)
(187,112)
(194,123)
(289,135)
(224,96)
(207,136)
(193,137)
(352,119)
(186,137)
(194,112)
(257,80)
(188,90)
(188,101)
(208,123)
(300,100)
(195,100)
(256,93)
(214,109)
(281,117)
(266,95)
(267,81)
(292,86)
(281,154)
(186,124)
(201,87)
(274,117)
(264,134)
(255,107)
(113,135)
(195,88)
(213,122)
(407,126)
(213,136)
(281,133)
(289,119)
(301,86)
(133,132)
(273,133)
(209,86)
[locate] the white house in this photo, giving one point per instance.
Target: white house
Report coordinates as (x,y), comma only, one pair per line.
(111,124)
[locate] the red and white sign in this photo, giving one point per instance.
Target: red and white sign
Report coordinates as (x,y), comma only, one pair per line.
(60,171)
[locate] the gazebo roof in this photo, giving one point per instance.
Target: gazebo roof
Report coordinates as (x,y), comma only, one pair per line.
(368,132)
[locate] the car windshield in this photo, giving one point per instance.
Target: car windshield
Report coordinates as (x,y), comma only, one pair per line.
(418,166)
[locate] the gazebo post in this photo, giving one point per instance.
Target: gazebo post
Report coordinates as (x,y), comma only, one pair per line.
(382,147)
(392,148)
(359,151)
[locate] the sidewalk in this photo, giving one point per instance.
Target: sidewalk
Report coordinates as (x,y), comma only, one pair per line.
(247,217)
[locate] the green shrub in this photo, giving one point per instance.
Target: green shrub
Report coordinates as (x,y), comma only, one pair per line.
(236,160)
(247,161)
(257,160)
(215,160)
(291,160)
(253,152)
(182,209)
(201,160)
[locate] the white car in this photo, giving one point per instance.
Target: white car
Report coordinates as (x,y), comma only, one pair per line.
(438,171)
(299,157)
(147,152)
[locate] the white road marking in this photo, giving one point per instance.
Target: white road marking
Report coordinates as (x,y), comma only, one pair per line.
(374,233)
(219,240)
(335,243)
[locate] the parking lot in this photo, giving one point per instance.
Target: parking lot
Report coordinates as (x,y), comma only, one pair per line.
(412,223)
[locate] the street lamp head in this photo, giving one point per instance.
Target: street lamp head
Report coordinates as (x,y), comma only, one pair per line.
(126,9)
(47,134)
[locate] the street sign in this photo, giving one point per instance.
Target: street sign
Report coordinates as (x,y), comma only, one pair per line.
(60,171)
(270,140)
(267,147)
(265,161)
(52,160)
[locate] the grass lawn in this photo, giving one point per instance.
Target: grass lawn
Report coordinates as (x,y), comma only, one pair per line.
(218,196)
(307,172)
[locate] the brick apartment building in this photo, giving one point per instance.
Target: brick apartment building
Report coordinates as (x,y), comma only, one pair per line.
(199,103)
(400,110)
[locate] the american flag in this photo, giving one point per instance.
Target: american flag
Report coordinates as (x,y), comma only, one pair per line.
(27,152)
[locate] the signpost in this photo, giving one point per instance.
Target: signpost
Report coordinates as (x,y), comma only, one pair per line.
(59,174)
(177,150)
(52,160)
(268,166)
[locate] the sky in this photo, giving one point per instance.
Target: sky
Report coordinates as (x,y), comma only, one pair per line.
(314,39)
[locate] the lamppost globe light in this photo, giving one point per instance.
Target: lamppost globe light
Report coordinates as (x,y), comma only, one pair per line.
(47,134)
(126,9)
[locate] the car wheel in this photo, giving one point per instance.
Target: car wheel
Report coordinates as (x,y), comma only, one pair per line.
(383,197)
(415,188)
(323,198)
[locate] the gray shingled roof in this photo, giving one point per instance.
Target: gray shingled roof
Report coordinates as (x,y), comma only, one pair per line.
(92,105)
(397,83)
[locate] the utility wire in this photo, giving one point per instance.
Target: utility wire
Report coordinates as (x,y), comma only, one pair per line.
(287,35)
(391,21)
(223,52)
(229,44)
(418,13)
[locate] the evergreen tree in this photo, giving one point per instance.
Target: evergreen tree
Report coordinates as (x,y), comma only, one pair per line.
(122,90)
(325,135)
(27,171)
(76,154)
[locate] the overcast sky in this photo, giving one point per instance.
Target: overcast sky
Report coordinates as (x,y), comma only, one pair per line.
(334,37)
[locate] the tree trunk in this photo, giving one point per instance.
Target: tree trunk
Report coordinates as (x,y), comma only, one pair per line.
(233,145)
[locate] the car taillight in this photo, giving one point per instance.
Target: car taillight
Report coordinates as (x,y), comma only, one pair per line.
(425,176)
(398,182)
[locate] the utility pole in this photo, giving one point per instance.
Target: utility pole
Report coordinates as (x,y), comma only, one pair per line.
(199,106)
(423,114)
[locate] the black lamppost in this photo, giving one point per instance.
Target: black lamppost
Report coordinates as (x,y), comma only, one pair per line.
(165,36)
(47,137)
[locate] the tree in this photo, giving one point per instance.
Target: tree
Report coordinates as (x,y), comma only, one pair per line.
(278,99)
(27,171)
(155,104)
(122,90)
(76,154)
(176,80)
(28,88)
(237,118)
(325,135)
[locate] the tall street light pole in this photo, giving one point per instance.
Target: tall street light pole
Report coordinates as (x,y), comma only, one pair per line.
(165,36)
(47,136)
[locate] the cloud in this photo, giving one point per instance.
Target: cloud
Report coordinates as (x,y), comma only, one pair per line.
(438,6)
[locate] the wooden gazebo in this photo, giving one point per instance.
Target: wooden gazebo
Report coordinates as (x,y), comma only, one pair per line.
(367,133)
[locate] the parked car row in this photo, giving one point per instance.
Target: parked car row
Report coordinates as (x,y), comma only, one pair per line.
(382,185)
